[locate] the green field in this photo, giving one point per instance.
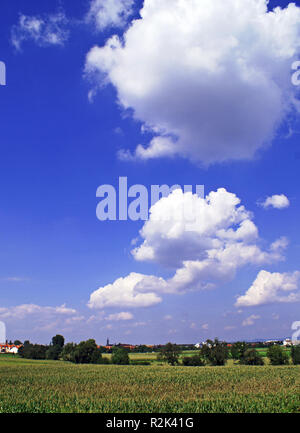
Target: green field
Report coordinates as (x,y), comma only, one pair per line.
(55,386)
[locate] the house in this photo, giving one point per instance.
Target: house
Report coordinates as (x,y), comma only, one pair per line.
(289,342)
(9,348)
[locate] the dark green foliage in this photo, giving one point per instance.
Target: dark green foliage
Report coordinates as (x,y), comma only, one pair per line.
(169,353)
(33,351)
(140,349)
(58,340)
(120,356)
(68,351)
(193,361)
(296,354)
(238,350)
(251,357)
(140,362)
(53,352)
(87,352)
(215,352)
(17,342)
(277,355)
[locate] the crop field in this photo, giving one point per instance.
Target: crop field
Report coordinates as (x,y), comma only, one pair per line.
(55,386)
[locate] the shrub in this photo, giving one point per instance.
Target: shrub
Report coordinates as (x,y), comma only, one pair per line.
(251,357)
(215,352)
(85,352)
(238,350)
(169,353)
(296,354)
(120,356)
(193,361)
(68,352)
(53,352)
(33,351)
(277,355)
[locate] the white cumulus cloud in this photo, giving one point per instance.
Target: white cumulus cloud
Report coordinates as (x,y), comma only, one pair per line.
(205,251)
(211,79)
(277,201)
(110,13)
(271,288)
(124,292)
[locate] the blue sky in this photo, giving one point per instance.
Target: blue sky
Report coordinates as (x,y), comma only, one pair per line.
(58,145)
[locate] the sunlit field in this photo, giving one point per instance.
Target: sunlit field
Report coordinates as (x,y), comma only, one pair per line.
(55,386)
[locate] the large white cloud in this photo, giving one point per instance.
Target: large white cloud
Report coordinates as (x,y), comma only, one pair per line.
(123,292)
(271,288)
(211,78)
(43,30)
(110,13)
(205,251)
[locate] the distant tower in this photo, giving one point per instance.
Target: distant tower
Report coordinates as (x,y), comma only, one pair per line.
(107,342)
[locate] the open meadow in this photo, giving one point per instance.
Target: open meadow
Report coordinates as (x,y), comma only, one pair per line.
(56,386)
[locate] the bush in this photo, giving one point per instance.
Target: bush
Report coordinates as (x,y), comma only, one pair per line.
(238,350)
(215,352)
(193,361)
(85,352)
(68,352)
(120,356)
(296,354)
(251,357)
(33,351)
(277,355)
(169,353)
(53,352)
(140,363)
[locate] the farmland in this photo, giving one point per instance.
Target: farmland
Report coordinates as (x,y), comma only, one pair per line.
(56,386)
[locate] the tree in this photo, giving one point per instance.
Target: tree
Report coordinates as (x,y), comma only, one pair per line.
(216,352)
(33,351)
(277,355)
(68,352)
(296,354)
(169,353)
(58,340)
(54,352)
(238,350)
(193,361)
(120,356)
(87,352)
(251,357)
(17,343)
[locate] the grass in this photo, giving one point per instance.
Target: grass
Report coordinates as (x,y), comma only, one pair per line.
(55,386)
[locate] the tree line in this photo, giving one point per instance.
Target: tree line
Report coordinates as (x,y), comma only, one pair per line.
(213,352)
(216,353)
(86,352)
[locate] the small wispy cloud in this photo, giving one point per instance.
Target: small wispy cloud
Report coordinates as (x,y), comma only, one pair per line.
(43,30)
(250,320)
